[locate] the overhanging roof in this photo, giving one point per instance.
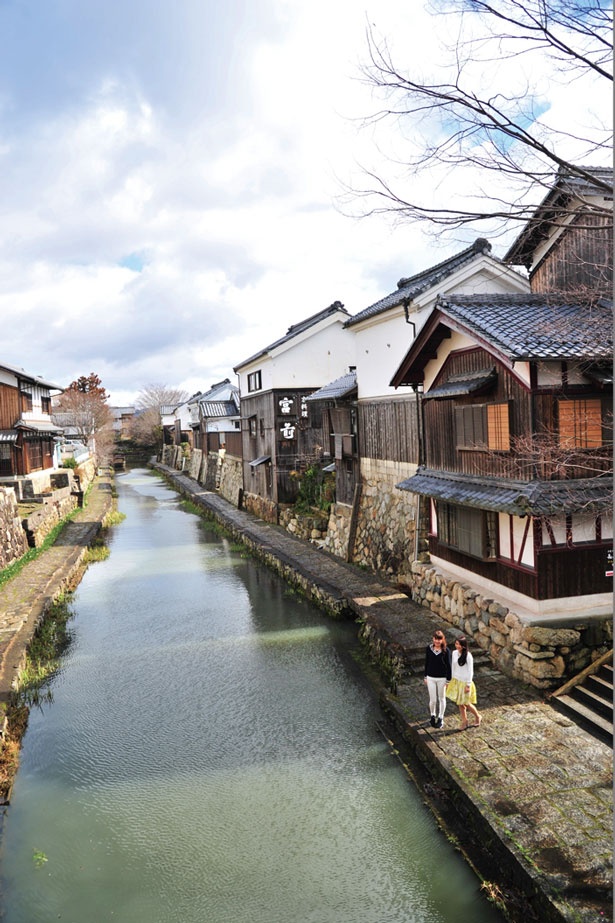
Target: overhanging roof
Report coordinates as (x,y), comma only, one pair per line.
(515,328)
(8,435)
(519,498)
(464,384)
(41,428)
(336,390)
(555,208)
(259,461)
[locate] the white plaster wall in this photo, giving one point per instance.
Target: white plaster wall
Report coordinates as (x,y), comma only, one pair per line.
(311,359)
(504,535)
(380,349)
(519,526)
(383,341)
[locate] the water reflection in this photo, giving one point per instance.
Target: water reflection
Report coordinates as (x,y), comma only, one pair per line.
(211,755)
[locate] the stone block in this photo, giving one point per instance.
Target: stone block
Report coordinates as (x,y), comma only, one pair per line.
(540,654)
(498,625)
(498,638)
(551,637)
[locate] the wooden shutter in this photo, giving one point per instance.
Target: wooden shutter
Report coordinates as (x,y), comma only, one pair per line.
(498,432)
(580,423)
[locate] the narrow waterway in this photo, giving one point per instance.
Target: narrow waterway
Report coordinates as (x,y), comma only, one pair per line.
(210,755)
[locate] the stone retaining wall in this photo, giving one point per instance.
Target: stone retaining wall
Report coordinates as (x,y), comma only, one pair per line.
(542,656)
(41,522)
(14,542)
(309,526)
(384,539)
(231,479)
(265,509)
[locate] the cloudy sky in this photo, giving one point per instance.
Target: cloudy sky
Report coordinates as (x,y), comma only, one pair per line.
(170,180)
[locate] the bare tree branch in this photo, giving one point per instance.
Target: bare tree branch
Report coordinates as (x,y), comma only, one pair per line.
(496,132)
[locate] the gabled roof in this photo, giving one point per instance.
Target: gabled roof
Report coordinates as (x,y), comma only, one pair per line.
(335,390)
(294,330)
(222,390)
(26,376)
(219,408)
(595,181)
(515,328)
(413,286)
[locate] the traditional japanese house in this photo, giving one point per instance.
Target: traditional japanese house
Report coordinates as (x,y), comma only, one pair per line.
(517,442)
(281,433)
(28,435)
(219,419)
(373,427)
(567,246)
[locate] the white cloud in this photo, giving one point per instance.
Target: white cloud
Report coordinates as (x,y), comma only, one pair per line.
(168,192)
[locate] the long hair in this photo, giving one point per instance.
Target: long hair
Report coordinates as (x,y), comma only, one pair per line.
(440,634)
(464,651)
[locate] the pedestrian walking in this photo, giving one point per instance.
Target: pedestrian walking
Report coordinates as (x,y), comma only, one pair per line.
(461,688)
(437,675)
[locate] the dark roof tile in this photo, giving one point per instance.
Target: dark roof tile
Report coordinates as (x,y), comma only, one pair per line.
(410,288)
(536,326)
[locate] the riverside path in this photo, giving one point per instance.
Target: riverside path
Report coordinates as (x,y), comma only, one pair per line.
(529,793)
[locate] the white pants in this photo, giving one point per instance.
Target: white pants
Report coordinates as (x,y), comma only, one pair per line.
(437,699)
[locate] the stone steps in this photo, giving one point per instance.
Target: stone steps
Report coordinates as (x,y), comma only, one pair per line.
(589,702)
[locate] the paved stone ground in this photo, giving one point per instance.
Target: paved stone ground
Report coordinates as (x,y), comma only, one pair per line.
(533,790)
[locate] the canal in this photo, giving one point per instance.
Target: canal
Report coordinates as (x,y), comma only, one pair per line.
(209,754)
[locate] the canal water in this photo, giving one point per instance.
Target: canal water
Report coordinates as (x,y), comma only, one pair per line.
(210,755)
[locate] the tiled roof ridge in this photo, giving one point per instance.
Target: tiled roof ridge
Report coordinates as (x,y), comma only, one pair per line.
(555,298)
(480,245)
(424,279)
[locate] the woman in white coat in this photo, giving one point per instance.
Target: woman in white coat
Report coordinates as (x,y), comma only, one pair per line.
(461,688)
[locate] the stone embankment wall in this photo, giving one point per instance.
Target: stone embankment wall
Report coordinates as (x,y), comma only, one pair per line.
(310,526)
(214,471)
(53,510)
(542,656)
(14,542)
(231,479)
(384,536)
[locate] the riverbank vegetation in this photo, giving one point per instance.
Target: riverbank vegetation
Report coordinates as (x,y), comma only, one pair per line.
(48,643)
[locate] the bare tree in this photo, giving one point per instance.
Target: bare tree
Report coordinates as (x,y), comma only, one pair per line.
(82,410)
(146,427)
(452,125)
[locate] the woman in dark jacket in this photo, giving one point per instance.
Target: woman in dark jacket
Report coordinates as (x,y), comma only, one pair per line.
(437,676)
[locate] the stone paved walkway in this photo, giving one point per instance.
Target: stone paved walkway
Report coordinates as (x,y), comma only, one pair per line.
(533,789)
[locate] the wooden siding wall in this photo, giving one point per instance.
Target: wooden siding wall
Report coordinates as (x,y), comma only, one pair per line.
(286,455)
(9,406)
(592,461)
(440,439)
(388,430)
(581,260)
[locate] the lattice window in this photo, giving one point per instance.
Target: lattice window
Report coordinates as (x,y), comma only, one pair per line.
(483,426)
(580,423)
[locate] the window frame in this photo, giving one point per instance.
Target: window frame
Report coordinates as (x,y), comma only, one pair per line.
(255,381)
(457,525)
(488,424)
